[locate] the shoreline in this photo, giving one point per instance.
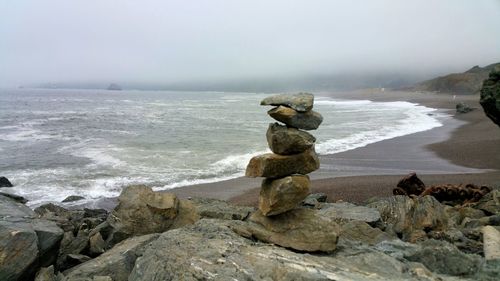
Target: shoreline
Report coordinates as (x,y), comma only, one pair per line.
(437,155)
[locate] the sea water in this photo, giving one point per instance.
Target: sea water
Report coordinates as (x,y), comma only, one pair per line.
(56,143)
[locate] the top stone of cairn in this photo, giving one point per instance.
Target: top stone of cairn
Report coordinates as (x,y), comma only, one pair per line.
(301,102)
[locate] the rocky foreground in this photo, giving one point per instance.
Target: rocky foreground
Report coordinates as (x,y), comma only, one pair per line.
(156,236)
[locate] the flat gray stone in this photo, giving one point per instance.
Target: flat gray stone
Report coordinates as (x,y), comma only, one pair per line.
(301,102)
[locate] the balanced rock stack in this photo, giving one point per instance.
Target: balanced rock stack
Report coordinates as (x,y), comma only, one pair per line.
(293,157)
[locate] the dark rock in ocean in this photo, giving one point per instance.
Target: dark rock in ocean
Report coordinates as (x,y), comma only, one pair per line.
(285,141)
(300,102)
(4,182)
(141,211)
(73,198)
(280,195)
(272,165)
(14,197)
(411,218)
(300,229)
(114,87)
(345,212)
(410,185)
(301,120)
(219,209)
(462,108)
(490,96)
(116,263)
(25,241)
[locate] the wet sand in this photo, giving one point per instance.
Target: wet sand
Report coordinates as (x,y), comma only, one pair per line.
(466,149)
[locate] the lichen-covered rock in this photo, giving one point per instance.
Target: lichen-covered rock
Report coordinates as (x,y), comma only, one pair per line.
(300,229)
(490,203)
(491,242)
(362,232)
(463,108)
(405,216)
(272,165)
(300,102)
(490,96)
(301,120)
(280,195)
(285,141)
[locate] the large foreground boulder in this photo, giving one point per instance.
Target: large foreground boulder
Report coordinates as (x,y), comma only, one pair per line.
(280,195)
(301,120)
(299,229)
(490,96)
(209,250)
(285,141)
(300,102)
(26,242)
(272,165)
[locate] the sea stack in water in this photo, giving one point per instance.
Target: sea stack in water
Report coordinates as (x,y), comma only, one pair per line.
(293,157)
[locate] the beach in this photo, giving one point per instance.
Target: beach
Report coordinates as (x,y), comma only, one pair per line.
(463,150)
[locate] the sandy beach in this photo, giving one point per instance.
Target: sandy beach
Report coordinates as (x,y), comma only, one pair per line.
(463,150)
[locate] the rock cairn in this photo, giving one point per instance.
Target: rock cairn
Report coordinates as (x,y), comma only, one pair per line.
(285,170)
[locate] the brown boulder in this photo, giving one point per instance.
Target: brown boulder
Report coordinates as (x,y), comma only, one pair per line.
(411,185)
(285,141)
(280,195)
(302,120)
(272,165)
(300,229)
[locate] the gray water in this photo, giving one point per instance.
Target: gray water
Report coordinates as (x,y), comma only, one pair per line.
(55,143)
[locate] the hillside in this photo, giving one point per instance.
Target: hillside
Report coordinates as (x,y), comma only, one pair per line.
(468,82)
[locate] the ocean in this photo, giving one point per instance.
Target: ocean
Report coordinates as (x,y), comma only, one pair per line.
(56,143)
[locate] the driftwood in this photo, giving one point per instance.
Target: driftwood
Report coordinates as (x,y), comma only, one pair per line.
(411,185)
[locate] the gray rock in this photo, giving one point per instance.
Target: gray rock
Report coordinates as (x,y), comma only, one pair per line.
(280,195)
(490,96)
(411,218)
(4,182)
(300,229)
(14,197)
(272,165)
(285,141)
(362,232)
(116,263)
(314,200)
(306,121)
(219,209)
(301,102)
(71,244)
(97,245)
(443,257)
(23,240)
(344,212)
(209,250)
(73,198)
(76,259)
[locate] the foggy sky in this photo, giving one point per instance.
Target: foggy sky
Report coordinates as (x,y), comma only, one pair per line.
(175,41)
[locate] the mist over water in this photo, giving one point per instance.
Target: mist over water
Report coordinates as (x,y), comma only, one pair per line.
(56,143)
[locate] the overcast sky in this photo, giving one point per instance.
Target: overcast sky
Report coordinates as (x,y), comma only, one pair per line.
(170,41)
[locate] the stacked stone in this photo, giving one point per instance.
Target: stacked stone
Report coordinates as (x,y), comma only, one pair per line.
(293,157)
